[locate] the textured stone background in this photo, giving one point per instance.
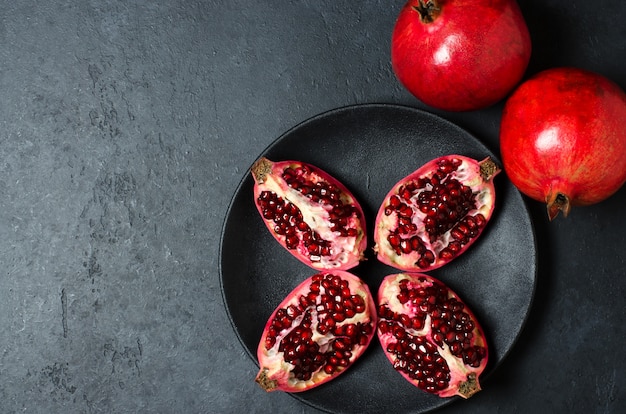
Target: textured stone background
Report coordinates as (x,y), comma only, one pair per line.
(125,128)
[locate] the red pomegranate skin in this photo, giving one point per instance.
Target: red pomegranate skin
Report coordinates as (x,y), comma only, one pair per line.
(563,138)
(469,57)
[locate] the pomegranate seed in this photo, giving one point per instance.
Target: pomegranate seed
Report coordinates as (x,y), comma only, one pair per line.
(446,254)
(359,303)
(480,220)
(394,202)
(417,323)
(350,330)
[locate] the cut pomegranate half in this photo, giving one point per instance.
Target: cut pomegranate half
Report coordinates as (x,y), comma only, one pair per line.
(316,333)
(433,215)
(430,336)
(310,213)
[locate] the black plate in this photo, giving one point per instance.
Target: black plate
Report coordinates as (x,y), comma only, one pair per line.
(369,148)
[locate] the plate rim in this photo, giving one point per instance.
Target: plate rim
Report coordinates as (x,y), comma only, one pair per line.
(399,107)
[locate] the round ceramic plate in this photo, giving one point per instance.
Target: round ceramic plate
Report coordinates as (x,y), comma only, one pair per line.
(369,148)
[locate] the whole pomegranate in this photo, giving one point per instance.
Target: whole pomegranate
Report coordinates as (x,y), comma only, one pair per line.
(460,55)
(563,138)
(310,213)
(435,213)
(316,333)
(430,336)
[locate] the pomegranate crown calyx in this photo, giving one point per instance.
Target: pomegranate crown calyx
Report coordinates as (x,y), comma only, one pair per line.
(261,169)
(264,380)
(557,202)
(469,387)
(428,10)
(488,169)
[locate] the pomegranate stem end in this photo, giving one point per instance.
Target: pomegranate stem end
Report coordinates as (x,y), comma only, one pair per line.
(428,10)
(469,387)
(261,169)
(488,169)
(557,202)
(265,381)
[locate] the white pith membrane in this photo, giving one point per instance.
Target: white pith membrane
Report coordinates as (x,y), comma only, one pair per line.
(273,364)
(389,290)
(316,215)
(484,199)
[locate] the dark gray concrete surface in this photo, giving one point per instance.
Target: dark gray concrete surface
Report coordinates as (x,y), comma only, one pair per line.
(125,127)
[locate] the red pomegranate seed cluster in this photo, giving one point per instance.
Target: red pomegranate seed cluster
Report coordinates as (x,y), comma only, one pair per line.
(418,358)
(330,300)
(324,193)
(467,229)
(450,324)
(288,219)
(445,201)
